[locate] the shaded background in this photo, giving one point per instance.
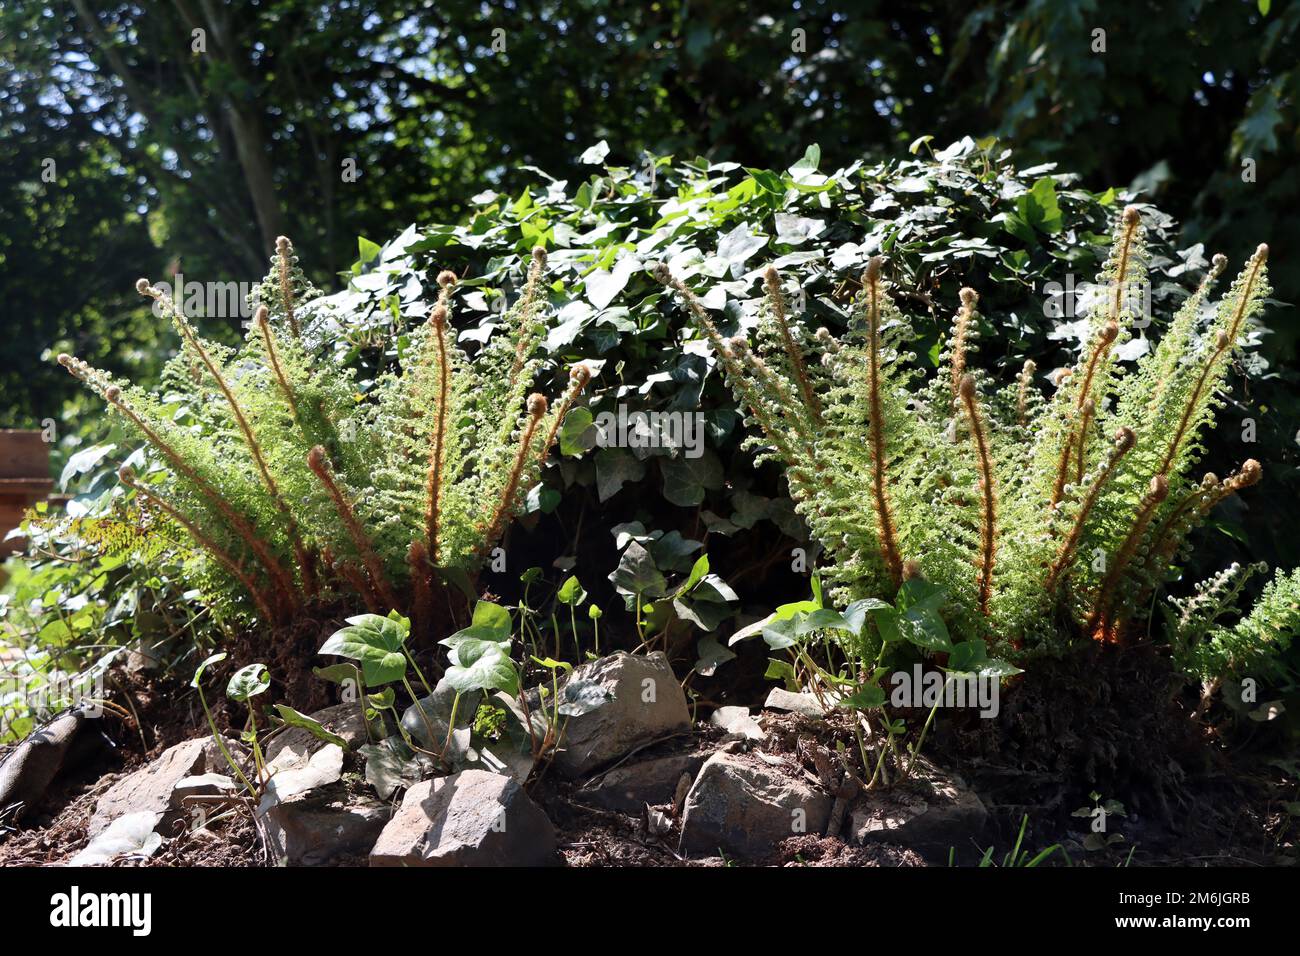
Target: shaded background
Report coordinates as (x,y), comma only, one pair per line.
(166,158)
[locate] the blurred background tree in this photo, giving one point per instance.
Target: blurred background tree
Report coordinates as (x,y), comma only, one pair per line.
(185,135)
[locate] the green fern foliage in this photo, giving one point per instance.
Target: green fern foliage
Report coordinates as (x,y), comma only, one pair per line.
(1040,514)
(1213,651)
(297,488)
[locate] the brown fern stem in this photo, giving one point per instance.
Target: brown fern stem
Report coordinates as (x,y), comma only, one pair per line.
(362,586)
(876,432)
(284,253)
(306,561)
(1022,392)
(1101,624)
(1198,503)
(579,376)
(438,446)
(527,306)
(113,395)
(1124,440)
(1131,219)
(320,467)
(263,323)
(960,330)
(222,556)
(417,559)
(735,372)
(792,350)
(1105,338)
(1223,342)
(988,488)
(496,525)
(1085,423)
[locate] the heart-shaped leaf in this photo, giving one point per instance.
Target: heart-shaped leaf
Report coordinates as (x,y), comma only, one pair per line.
(482,665)
(374,641)
(248,682)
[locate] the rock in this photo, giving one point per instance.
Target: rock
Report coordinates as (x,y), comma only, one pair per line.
(471,818)
(737,722)
(321,824)
(931,812)
(203,785)
(216,762)
(29,769)
(342,719)
(150,789)
(781,699)
(309,815)
(648,705)
(744,808)
(131,835)
(629,787)
(292,773)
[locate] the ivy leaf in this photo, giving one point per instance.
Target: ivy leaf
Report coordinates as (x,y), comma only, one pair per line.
(739,244)
(482,665)
(248,682)
(374,641)
(636,574)
(926,629)
(686,479)
(780,634)
(574,433)
(594,155)
(711,656)
(868,697)
(855,615)
(822,619)
(614,468)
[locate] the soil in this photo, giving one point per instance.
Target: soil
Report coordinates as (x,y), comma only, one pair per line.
(1191,793)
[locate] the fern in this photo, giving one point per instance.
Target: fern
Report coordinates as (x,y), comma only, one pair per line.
(1215,652)
(296,489)
(1041,516)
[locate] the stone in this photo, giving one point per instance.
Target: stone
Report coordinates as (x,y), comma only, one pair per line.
(319,825)
(29,769)
(471,818)
(202,786)
(132,835)
(738,723)
(216,761)
(629,787)
(744,808)
(293,773)
(648,705)
(150,789)
(931,812)
(781,699)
